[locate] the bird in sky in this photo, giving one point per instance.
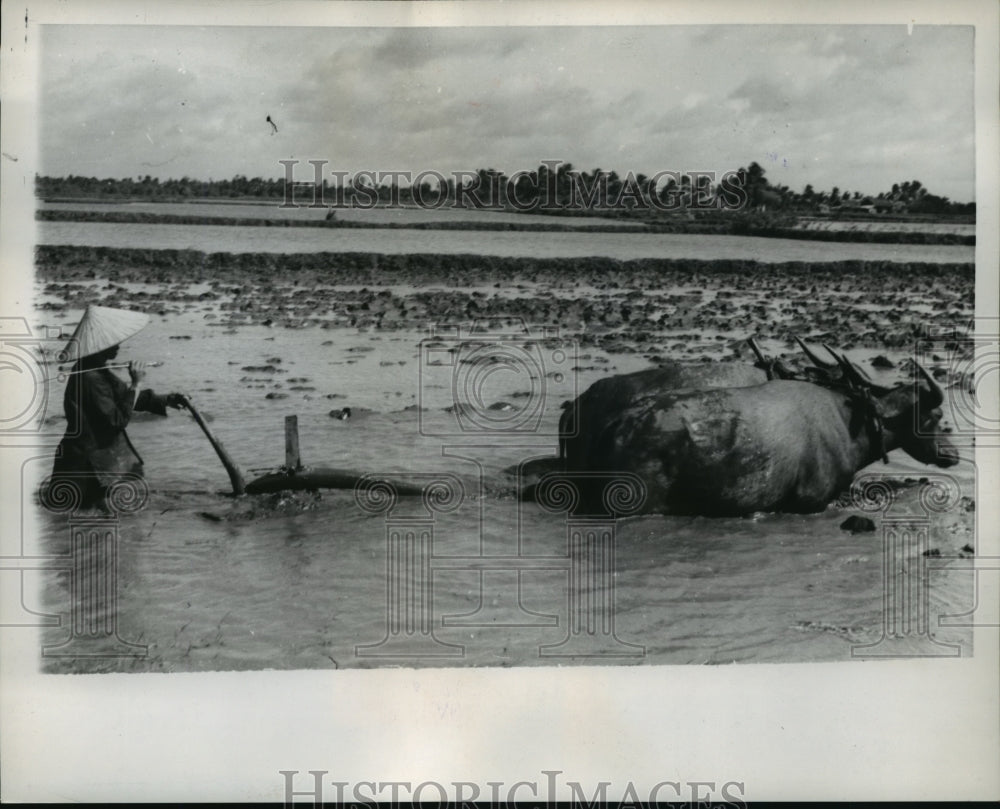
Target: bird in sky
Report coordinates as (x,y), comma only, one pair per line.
(273,124)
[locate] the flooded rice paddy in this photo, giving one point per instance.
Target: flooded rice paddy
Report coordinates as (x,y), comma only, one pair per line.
(211,582)
(221,238)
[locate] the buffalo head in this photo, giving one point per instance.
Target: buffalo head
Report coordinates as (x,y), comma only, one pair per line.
(912,414)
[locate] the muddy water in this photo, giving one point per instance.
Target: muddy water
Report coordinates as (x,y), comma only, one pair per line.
(210,238)
(209,582)
(303,211)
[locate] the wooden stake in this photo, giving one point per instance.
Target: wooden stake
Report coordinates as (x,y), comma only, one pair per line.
(292,459)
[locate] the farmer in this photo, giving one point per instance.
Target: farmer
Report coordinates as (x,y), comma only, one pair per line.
(96,452)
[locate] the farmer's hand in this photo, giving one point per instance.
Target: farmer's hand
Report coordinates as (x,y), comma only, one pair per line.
(176,400)
(137,371)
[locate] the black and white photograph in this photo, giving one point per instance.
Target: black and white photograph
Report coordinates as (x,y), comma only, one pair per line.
(457,378)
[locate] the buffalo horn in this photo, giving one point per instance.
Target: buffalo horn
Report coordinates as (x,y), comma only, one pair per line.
(827,366)
(847,372)
(756,350)
(834,354)
(852,373)
(862,374)
(855,371)
(937,395)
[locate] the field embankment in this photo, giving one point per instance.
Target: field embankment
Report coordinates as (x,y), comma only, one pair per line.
(735,225)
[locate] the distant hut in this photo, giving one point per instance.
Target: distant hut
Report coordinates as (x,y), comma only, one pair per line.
(885,206)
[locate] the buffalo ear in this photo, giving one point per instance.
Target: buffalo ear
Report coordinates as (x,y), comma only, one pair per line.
(922,392)
(896,401)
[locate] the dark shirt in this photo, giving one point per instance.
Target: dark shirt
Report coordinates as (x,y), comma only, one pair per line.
(98,407)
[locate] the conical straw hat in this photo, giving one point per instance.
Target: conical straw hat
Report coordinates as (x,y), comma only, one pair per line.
(101,328)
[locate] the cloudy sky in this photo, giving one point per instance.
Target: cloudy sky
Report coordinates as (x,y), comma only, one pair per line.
(859,107)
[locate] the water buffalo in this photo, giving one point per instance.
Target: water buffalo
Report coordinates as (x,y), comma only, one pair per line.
(782,445)
(585,418)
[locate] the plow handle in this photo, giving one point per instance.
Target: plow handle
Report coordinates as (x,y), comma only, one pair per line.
(235,475)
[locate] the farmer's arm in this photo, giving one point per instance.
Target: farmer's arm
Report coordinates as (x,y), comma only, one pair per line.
(150,402)
(145,399)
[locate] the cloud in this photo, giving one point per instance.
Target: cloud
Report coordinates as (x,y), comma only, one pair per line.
(827,99)
(761,94)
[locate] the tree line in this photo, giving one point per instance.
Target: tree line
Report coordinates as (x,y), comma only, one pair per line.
(555,184)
